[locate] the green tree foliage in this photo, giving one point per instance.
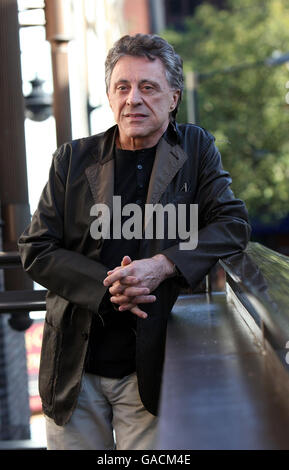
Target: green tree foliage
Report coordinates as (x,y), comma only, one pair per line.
(246,109)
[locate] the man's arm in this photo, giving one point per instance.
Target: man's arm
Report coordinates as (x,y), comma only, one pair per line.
(223,221)
(64,272)
(224,230)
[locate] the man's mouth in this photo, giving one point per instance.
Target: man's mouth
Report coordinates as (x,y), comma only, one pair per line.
(135,115)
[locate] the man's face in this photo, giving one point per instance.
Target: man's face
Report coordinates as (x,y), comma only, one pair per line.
(141,100)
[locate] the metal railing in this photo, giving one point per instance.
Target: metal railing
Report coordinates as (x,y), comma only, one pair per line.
(17,304)
(226,360)
(15,301)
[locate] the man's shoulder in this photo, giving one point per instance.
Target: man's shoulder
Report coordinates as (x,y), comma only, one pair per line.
(82,147)
(193,130)
(194,136)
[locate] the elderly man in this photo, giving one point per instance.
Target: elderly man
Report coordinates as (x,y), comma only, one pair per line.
(109,297)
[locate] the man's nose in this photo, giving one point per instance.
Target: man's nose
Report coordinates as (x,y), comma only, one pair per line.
(134,97)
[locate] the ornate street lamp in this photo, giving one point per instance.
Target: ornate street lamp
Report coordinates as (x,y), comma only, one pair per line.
(38,104)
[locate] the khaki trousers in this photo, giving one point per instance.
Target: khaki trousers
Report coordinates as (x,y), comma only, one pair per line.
(109,415)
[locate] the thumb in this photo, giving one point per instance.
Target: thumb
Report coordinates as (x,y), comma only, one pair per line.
(126,260)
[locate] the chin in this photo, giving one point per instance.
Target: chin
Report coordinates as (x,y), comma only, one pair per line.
(137,133)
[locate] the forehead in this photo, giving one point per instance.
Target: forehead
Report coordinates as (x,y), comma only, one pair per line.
(138,68)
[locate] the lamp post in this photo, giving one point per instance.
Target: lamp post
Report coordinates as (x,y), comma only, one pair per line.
(58,33)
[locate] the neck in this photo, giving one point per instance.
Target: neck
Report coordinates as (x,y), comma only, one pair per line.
(137,143)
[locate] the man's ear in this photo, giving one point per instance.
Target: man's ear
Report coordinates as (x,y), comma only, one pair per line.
(176,97)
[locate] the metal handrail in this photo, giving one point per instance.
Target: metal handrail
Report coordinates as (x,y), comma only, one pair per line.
(259,278)
(225,380)
(18,303)
(9,259)
(22,301)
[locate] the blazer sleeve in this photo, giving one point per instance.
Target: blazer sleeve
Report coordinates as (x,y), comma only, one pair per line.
(66,273)
(223,227)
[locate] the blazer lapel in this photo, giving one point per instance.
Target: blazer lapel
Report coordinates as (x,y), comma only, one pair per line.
(101,181)
(100,175)
(169,159)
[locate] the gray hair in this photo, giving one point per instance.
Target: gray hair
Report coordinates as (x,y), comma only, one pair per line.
(150,46)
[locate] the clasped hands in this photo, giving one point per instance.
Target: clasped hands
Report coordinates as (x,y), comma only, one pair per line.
(132,283)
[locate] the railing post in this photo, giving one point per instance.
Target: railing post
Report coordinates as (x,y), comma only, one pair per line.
(14,398)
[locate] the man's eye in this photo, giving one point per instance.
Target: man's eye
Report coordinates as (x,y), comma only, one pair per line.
(147,87)
(122,88)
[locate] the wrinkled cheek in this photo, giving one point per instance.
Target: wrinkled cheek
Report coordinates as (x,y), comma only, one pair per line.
(117,116)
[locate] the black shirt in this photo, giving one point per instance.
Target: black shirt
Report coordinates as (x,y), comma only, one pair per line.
(111,349)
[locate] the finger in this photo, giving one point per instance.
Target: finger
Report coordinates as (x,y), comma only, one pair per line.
(134,309)
(127,306)
(128,280)
(140,313)
(126,260)
(145,299)
(118,288)
(122,299)
(113,270)
(133,291)
(117,275)
(139,299)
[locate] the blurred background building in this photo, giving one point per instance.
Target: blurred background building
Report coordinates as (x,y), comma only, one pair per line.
(52,57)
